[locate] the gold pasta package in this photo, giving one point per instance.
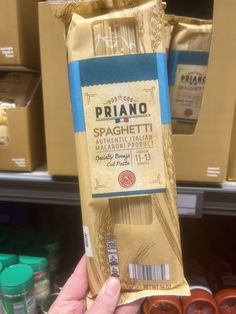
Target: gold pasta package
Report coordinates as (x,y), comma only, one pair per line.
(188,63)
(119,95)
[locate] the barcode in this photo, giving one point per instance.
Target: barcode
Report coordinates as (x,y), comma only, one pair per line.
(149,272)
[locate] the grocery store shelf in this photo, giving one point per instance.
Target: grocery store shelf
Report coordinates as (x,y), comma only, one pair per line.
(39,187)
(214,199)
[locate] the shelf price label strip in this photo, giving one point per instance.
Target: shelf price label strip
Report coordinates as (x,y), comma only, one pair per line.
(190,203)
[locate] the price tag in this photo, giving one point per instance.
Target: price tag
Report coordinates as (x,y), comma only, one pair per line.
(190,203)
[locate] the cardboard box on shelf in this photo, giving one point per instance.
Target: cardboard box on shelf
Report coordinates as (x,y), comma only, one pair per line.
(22,133)
(203,156)
(199,157)
(19,33)
(60,144)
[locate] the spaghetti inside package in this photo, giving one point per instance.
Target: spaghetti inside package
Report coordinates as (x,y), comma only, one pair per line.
(119,93)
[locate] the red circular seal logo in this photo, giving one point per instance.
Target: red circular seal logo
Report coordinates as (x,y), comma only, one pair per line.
(126,179)
(188,112)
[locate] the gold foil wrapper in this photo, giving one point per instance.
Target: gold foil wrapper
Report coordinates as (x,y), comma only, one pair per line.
(135,238)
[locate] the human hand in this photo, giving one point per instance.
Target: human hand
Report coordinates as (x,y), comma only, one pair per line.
(72,298)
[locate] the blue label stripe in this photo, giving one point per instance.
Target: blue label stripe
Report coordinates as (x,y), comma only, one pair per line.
(76,97)
(185,57)
(163,88)
(127,193)
(117,69)
(172,66)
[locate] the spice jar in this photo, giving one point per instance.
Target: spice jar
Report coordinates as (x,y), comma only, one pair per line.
(49,241)
(201,299)
(39,266)
(162,305)
(17,287)
(222,278)
(8,259)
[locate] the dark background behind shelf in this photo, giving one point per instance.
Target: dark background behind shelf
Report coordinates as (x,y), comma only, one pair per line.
(63,220)
(193,8)
(211,234)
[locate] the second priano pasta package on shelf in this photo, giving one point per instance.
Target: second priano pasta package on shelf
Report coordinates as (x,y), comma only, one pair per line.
(119,93)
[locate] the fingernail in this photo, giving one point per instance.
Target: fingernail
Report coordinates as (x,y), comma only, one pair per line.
(112,286)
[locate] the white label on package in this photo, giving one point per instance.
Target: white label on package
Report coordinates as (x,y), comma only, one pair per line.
(124,134)
(87,242)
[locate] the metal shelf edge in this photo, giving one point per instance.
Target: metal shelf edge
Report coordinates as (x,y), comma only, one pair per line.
(40,187)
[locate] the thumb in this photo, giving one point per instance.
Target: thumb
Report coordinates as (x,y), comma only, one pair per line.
(107,299)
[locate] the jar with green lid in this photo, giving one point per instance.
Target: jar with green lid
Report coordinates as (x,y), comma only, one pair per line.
(8,259)
(17,288)
(39,266)
(50,242)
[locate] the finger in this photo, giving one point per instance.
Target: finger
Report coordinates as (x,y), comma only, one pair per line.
(132,308)
(107,299)
(76,286)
